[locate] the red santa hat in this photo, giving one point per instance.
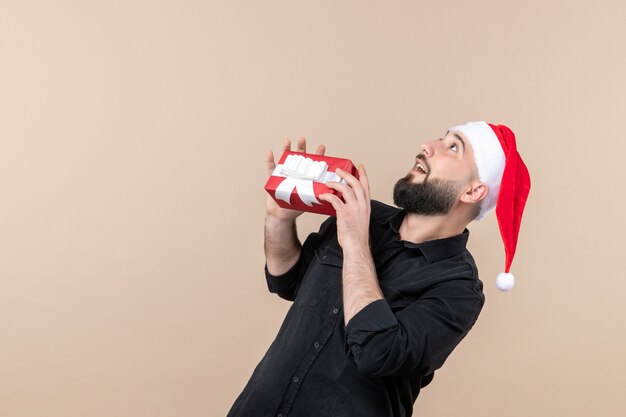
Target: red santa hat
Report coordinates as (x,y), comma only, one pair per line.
(502,169)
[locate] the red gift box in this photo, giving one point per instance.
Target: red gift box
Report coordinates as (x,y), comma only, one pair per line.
(299,178)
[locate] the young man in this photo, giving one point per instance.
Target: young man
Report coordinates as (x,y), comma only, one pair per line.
(382,295)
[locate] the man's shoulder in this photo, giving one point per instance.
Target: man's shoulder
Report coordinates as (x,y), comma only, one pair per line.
(381,211)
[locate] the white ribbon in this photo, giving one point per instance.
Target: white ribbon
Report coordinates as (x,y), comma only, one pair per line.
(299,173)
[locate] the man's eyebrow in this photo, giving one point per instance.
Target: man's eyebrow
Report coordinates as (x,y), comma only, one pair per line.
(456,135)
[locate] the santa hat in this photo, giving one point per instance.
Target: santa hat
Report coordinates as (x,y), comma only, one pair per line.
(502,169)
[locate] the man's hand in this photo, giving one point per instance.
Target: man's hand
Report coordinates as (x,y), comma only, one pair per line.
(353,216)
(271,207)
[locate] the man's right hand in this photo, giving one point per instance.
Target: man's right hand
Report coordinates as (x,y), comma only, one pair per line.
(271,207)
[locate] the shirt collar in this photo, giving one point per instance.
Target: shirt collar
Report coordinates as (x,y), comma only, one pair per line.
(434,250)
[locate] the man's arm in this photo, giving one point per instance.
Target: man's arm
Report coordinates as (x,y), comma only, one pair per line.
(360,284)
(282,246)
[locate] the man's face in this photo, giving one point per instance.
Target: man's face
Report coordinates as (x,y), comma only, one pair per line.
(449,165)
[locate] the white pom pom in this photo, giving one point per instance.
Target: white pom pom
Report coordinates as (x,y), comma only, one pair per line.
(505,281)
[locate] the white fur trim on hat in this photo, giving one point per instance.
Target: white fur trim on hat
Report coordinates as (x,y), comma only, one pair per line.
(489,157)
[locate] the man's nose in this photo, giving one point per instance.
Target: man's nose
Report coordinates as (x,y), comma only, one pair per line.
(428,148)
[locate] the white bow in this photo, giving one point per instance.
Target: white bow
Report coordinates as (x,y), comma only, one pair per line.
(299,173)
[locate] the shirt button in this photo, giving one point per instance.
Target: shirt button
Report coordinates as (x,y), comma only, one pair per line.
(335,311)
(324,257)
(316,344)
(295,379)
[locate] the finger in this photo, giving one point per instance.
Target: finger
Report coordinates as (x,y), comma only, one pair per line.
(356,186)
(344,189)
(287,144)
(364,180)
(302,144)
(332,199)
(320,150)
(269,161)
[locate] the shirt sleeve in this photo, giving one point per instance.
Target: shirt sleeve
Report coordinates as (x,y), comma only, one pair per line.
(416,339)
(286,285)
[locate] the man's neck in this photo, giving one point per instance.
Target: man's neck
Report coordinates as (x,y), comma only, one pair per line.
(418,228)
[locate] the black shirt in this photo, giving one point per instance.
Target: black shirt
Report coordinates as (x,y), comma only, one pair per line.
(390,349)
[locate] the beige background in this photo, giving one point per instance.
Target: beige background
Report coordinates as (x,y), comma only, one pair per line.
(132,142)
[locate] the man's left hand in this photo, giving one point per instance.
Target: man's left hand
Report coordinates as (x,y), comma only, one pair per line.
(353,216)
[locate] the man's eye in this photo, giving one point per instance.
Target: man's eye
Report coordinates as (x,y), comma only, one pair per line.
(454,144)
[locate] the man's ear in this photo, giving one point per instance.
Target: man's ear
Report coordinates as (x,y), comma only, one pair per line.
(475,192)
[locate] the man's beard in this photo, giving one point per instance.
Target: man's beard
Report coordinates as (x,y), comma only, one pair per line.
(431,197)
